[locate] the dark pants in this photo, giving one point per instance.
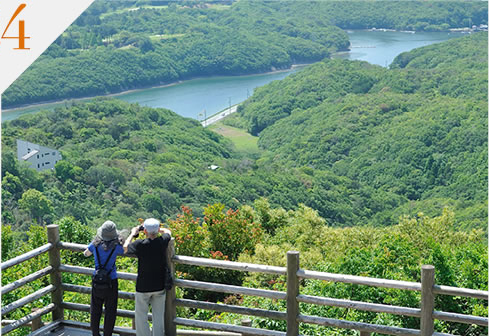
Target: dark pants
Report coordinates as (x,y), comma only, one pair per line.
(107,296)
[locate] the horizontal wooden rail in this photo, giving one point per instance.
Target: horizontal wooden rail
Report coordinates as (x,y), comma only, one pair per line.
(230,265)
(186,332)
(7,322)
(227,327)
(88,290)
(366,327)
(465,292)
(231,309)
(360,280)
(27,299)
(89,271)
(26,256)
(461,318)
(127,331)
(74,247)
(25,280)
(28,318)
(209,286)
(86,308)
(372,307)
(46,329)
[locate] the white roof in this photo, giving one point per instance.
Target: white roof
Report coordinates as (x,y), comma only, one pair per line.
(30,154)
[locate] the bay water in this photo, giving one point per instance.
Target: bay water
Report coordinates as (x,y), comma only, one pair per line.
(200,98)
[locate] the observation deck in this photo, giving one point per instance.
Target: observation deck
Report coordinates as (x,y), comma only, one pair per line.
(292,316)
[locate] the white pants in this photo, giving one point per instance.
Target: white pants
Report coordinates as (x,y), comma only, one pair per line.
(157,301)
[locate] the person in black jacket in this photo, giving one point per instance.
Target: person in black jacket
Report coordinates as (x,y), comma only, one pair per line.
(150,283)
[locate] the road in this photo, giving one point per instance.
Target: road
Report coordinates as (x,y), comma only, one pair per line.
(219,116)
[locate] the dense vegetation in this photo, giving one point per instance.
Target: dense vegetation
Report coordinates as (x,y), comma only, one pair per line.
(359,143)
(135,161)
(396,252)
(364,170)
(117,52)
(419,132)
(116,46)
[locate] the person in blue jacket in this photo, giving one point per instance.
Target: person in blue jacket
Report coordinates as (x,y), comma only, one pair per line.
(105,248)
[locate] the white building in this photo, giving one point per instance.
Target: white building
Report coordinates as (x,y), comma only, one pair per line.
(40,157)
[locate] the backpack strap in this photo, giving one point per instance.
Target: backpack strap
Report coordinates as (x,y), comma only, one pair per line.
(98,257)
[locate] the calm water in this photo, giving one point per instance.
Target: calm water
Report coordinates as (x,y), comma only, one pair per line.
(378,47)
(191,98)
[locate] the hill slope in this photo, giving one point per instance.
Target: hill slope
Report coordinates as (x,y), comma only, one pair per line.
(358,143)
(418,130)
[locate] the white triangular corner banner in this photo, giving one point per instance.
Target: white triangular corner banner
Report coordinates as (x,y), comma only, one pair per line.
(37,23)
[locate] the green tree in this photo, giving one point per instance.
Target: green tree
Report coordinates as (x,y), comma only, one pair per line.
(232,232)
(36,203)
(191,238)
(64,170)
(12,185)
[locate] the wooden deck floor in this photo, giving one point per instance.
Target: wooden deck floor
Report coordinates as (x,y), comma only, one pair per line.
(68,331)
(73,328)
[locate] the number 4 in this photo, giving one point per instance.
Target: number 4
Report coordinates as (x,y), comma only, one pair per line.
(21,36)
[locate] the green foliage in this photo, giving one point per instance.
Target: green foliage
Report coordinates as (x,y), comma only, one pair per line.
(394,142)
(119,52)
(64,170)
(232,232)
(395,253)
(106,53)
(36,204)
(191,237)
(15,244)
(345,145)
(71,230)
(8,239)
(202,239)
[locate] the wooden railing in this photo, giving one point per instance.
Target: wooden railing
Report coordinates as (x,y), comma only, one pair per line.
(292,296)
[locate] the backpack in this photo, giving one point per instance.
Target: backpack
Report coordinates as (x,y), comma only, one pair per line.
(101,279)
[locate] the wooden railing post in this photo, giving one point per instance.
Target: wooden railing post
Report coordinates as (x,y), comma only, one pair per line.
(292,292)
(170,307)
(365,333)
(427,300)
(36,323)
(55,276)
(246,323)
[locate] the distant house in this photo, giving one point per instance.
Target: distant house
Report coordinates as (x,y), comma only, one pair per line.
(39,157)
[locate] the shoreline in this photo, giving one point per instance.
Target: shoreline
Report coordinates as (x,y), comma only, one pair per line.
(81,99)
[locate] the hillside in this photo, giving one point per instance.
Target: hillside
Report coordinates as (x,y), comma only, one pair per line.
(104,53)
(419,132)
(347,139)
(117,46)
(136,162)
(364,170)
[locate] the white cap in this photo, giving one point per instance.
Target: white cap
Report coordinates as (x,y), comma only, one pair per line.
(151,225)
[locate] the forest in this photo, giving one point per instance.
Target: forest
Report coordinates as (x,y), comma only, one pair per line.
(359,143)
(118,46)
(365,170)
